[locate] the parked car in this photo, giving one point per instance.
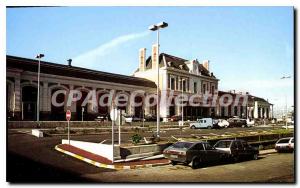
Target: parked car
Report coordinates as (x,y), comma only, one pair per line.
(250,122)
(150,117)
(134,118)
(202,123)
(237,122)
(196,153)
(285,144)
(237,149)
(101,118)
(175,118)
(220,123)
(130,119)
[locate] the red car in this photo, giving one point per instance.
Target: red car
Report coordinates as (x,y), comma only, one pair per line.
(175,118)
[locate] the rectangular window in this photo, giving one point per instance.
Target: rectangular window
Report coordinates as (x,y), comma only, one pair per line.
(168,80)
(195,87)
(212,89)
(222,111)
(235,110)
(203,88)
(242,110)
(172,83)
(184,85)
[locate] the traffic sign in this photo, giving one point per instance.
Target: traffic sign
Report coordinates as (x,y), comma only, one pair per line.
(68,115)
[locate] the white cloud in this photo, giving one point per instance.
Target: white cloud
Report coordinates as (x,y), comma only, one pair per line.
(91,57)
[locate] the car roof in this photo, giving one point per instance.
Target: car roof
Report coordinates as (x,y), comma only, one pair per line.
(196,142)
(233,140)
(286,138)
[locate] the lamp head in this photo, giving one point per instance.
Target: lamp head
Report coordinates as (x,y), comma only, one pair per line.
(39,56)
(162,25)
(153,27)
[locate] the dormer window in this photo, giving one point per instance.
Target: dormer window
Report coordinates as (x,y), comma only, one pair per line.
(181,67)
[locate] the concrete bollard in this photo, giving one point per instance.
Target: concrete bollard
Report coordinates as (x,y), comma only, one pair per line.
(37,133)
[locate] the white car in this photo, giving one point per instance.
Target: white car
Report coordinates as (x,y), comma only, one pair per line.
(223,123)
(202,123)
(285,144)
(128,119)
(250,123)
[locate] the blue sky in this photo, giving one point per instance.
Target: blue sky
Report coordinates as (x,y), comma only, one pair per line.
(250,48)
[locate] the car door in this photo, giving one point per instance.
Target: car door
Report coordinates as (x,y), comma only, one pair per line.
(211,153)
(198,151)
(248,150)
(240,149)
(234,148)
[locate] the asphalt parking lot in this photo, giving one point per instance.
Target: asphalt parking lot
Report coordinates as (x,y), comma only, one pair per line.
(31,159)
(269,168)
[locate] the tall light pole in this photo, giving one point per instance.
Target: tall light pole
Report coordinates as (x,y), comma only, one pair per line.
(39,57)
(156,27)
(285,77)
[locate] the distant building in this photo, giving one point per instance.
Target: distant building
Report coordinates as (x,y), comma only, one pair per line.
(177,74)
(255,107)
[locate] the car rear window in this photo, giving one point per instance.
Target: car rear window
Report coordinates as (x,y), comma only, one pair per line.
(183,145)
(223,144)
(283,141)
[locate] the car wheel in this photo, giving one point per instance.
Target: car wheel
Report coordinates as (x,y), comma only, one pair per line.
(195,163)
(209,127)
(255,156)
(173,162)
(193,127)
(235,158)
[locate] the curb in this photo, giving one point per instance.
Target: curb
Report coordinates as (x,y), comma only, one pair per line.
(102,165)
(269,152)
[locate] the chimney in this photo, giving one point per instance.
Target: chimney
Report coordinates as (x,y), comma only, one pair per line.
(154,56)
(206,64)
(69,62)
(142,59)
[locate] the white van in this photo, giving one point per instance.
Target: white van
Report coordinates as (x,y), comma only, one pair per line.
(202,123)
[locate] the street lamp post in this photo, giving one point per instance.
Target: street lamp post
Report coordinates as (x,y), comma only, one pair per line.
(156,28)
(285,77)
(39,57)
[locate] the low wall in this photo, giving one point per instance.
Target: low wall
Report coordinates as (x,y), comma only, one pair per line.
(104,150)
(142,150)
(54,124)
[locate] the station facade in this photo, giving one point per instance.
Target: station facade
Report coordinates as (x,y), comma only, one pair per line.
(21,90)
(177,76)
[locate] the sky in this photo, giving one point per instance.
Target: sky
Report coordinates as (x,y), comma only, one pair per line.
(249,48)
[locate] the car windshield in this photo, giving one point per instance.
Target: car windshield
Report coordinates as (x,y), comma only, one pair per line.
(223,144)
(284,141)
(182,145)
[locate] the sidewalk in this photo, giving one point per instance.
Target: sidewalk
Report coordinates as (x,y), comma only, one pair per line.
(102,162)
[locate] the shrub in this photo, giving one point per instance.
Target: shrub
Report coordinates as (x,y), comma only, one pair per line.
(136,138)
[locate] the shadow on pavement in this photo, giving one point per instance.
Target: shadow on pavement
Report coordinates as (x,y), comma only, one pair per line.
(20,169)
